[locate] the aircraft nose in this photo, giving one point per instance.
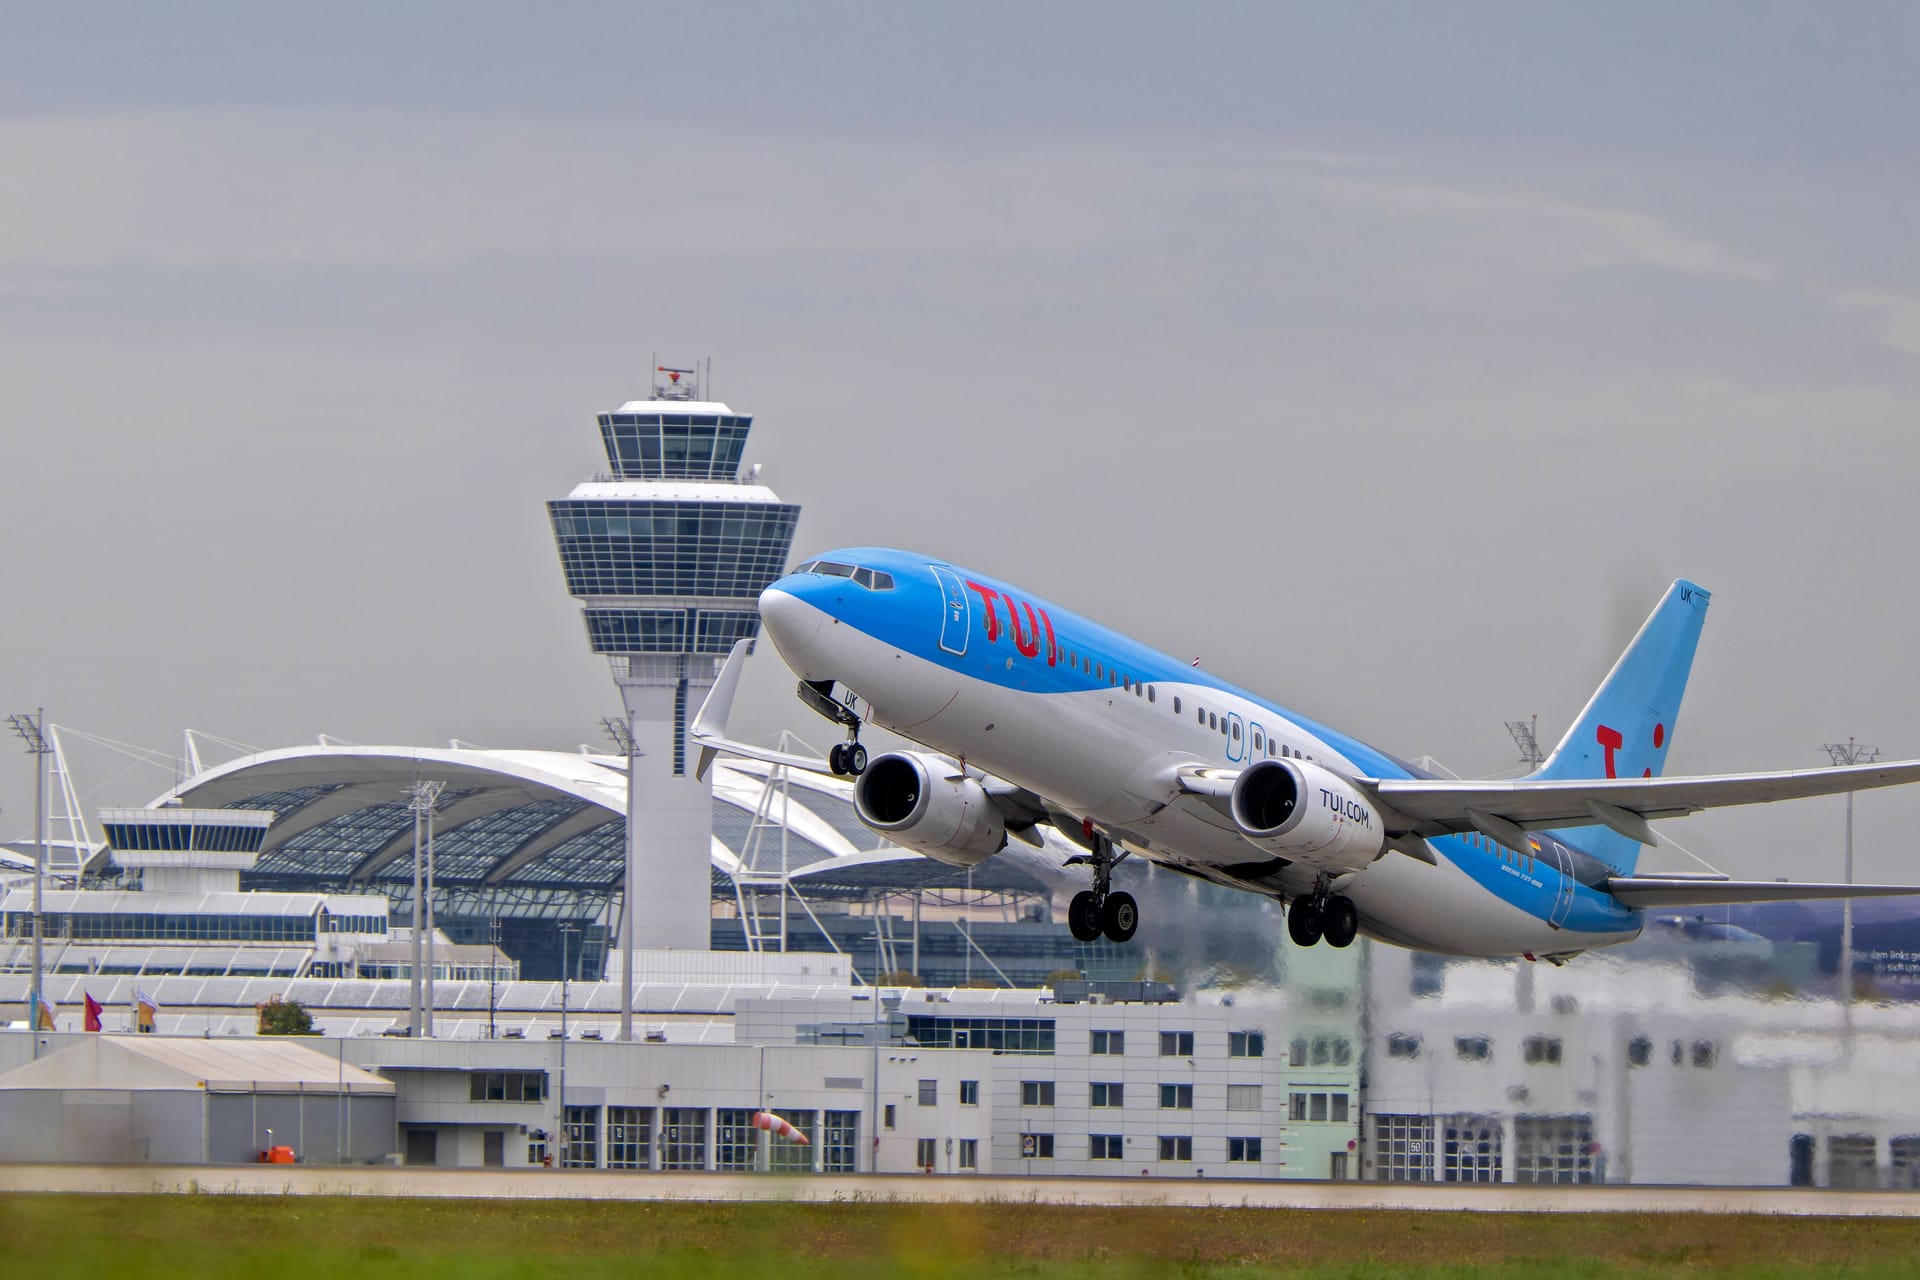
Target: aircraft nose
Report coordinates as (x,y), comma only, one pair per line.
(791,621)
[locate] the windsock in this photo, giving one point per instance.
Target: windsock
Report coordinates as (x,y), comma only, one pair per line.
(778,1127)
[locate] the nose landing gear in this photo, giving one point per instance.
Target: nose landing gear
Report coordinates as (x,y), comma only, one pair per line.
(849,758)
(1102,910)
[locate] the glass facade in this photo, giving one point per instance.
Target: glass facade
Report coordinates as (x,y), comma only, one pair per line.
(474,848)
(105,926)
(1008,1035)
(674,446)
(666,548)
(669,630)
(176,835)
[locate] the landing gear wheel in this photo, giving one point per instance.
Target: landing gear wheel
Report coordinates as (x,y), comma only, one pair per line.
(1083,916)
(1119,917)
(1339,921)
(837,760)
(855,758)
(1303,922)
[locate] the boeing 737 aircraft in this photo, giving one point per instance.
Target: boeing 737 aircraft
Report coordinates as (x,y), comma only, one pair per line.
(1032,714)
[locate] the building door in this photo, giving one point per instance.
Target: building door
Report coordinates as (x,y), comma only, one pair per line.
(493,1149)
(1339,1171)
(423,1146)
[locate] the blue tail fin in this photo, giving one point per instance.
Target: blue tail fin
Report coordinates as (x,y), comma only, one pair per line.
(1627,726)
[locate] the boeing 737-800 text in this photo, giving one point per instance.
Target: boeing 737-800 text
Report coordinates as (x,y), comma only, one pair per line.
(1032,714)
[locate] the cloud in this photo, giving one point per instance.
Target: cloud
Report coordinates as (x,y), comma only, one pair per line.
(1894,316)
(1566,237)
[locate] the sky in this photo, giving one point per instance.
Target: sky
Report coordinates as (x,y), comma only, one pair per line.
(1391,359)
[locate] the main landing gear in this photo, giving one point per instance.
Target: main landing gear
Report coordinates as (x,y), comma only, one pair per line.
(1101,910)
(849,758)
(1320,915)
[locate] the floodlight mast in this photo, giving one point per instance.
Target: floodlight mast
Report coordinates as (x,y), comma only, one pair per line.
(424,796)
(622,731)
(31,729)
(1846,753)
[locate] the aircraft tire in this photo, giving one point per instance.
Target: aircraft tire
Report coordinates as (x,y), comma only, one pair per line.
(1119,917)
(1083,916)
(1303,922)
(856,759)
(837,759)
(1340,921)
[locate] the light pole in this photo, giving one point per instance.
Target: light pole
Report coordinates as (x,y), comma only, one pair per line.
(423,797)
(1848,753)
(621,731)
(566,933)
(32,732)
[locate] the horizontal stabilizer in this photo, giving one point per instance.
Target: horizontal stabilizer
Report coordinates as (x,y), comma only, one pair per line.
(1657,891)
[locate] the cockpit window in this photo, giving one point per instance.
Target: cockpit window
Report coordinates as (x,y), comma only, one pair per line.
(871,579)
(802,568)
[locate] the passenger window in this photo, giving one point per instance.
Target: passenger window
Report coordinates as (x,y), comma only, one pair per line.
(1086,664)
(1126,682)
(1236,733)
(1100,671)
(1213,721)
(1200,713)
(1138,689)
(1176,704)
(1150,697)
(1256,742)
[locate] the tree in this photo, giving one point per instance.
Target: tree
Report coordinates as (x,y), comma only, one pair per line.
(284,1018)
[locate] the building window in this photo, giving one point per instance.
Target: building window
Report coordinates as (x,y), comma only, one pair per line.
(1036,1093)
(927,1153)
(929,1093)
(1036,1146)
(1246,1044)
(839,1140)
(1104,1146)
(1470,1149)
(1176,1097)
(1402,1045)
(969,1153)
(1008,1035)
(1107,1094)
(1107,1043)
(582,1138)
(507,1086)
(1403,1148)
(629,1137)
(1426,974)
(1553,1149)
(1176,1044)
(889,1115)
(733,1139)
(1473,1048)
(969,1093)
(1243,1097)
(1297,1052)
(1336,1050)
(1704,1053)
(683,1138)
(1243,1150)
(1639,1051)
(1176,1148)
(1541,1051)
(1317,1106)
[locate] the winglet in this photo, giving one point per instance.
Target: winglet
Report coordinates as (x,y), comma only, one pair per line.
(710,722)
(709,727)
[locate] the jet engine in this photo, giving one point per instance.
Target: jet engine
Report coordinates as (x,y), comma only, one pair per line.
(1304,813)
(917,802)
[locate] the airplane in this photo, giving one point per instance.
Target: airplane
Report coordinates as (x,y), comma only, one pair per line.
(1031,714)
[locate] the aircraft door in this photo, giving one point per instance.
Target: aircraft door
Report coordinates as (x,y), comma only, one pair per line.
(1563,884)
(955,613)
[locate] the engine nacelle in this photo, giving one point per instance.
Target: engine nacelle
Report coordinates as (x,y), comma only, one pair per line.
(1304,813)
(915,802)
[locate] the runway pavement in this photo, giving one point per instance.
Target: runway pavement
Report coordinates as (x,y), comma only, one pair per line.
(587,1184)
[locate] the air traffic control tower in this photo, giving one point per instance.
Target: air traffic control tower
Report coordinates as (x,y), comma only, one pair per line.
(668,554)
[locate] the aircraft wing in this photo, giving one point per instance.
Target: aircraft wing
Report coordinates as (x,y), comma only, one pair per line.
(1439,806)
(1658,891)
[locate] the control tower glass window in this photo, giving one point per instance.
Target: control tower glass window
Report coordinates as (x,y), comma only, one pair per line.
(730,549)
(674,446)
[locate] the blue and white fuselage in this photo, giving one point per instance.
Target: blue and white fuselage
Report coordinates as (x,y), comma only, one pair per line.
(1106,729)
(1056,719)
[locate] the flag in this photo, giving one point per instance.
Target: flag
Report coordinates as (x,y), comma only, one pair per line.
(45,1012)
(144,1009)
(93,1012)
